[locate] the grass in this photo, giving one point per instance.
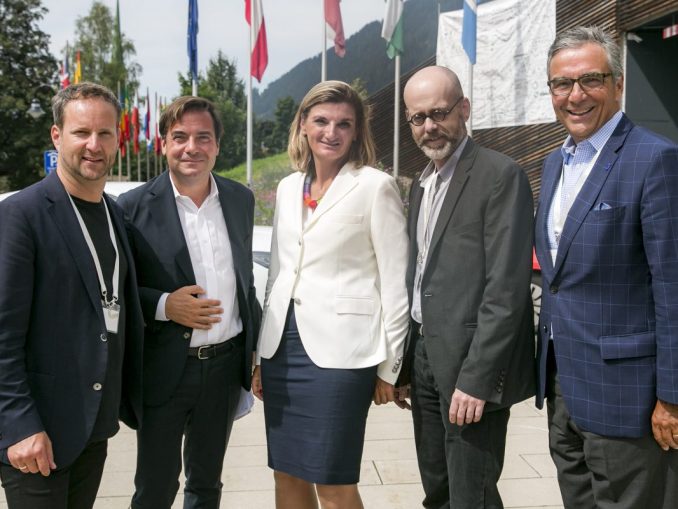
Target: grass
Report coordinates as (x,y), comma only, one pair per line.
(266,173)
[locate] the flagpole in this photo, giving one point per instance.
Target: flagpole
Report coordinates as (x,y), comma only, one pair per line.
(396,119)
(147,126)
(155,139)
(119,151)
(323,67)
(470,98)
(249,106)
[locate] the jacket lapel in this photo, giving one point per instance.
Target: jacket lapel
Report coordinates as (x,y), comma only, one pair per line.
(588,195)
(162,208)
(230,208)
(550,177)
(457,182)
(61,210)
(343,183)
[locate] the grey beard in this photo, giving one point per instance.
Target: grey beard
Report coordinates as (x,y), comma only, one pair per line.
(438,153)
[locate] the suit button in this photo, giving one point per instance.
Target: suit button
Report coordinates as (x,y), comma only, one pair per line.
(297,301)
(187,335)
(544,329)
(97,386)
(296,270)
(300,242)
(104,338)
(553,289)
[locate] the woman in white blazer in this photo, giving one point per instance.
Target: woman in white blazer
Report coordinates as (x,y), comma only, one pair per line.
(336,310)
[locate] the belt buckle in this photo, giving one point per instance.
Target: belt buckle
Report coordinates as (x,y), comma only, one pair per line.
(200,350)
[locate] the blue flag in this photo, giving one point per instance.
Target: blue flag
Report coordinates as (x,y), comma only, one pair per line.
(193,37)
(468,31)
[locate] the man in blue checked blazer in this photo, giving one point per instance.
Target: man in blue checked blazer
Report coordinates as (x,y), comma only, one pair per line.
(606,236)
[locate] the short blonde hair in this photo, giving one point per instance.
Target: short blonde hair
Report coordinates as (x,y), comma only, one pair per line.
(362,151)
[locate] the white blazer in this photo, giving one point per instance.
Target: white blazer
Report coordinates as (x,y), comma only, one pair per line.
(345,271)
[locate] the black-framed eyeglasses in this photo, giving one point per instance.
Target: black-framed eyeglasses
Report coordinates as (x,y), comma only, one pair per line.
(437,116)
(587,82)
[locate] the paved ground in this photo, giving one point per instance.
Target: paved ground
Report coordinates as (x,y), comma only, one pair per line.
(389,478)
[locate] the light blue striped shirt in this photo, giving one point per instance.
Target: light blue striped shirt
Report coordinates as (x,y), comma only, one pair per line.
(579,158)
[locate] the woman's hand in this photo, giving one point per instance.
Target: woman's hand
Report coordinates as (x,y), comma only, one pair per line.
(384,392)
(257,388)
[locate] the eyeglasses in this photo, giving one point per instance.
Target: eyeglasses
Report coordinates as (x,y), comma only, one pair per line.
(587,82)
(437,116)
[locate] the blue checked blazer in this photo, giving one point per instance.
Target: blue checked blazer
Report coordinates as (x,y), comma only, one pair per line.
(611,300)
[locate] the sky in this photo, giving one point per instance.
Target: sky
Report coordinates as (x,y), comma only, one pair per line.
(158,29)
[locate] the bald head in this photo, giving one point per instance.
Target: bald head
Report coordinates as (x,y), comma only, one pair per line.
(437,77)
(435,93)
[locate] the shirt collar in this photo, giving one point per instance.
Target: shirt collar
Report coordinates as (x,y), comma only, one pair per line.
(597,140)
(448,168)
(213,190)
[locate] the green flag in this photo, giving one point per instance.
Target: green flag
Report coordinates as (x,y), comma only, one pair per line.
(392,29)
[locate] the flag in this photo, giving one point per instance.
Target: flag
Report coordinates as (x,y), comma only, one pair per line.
(335,28)
(392,29)
(468,29)
(254,14)
(135,124)
(192,37)
(64,75)
(77,74)
(124,122)
(147,117)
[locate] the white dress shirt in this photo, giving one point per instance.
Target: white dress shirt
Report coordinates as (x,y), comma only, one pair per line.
(209,248)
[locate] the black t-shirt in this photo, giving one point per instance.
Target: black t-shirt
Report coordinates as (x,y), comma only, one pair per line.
(94,216)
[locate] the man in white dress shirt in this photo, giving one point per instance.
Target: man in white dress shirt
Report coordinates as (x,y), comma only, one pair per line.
(192,240)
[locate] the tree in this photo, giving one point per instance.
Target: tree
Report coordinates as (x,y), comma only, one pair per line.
(270,137)
(222,86)
(284,115)
(105,53)
(27,72)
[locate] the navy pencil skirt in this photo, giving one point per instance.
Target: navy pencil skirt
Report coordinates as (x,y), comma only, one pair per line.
(315,417)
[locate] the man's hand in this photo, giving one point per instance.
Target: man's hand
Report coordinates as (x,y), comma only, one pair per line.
(32,455)
(665,425)
(383,392)
(402,393)
(184,307)
(257,388)
(465,409)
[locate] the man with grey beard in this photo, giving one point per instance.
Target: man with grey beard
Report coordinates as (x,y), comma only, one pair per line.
(471,345)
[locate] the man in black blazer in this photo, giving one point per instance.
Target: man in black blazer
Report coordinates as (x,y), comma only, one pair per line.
(192,240)
(70,319)
(472,333)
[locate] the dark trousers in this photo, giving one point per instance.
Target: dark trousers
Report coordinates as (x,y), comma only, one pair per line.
(73,487)
(600,472)
(201,411)
(459,465)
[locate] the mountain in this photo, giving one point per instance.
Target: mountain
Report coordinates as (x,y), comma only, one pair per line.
(365,56)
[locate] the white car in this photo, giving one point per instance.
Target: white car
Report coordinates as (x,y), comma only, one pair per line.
(261,240)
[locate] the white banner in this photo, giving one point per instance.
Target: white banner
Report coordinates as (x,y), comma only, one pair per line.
(509,78)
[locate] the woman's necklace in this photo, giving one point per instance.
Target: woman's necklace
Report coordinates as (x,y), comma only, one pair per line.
(308,201)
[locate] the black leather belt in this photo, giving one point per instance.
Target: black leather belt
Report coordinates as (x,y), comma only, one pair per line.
(209,351)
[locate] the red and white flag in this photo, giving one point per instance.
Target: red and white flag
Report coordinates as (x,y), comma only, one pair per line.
(254,14)
(335,28)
